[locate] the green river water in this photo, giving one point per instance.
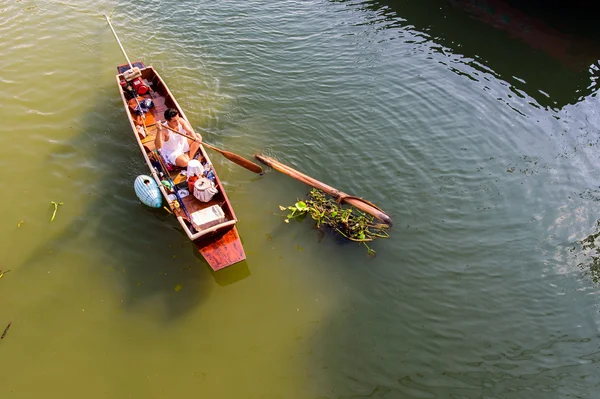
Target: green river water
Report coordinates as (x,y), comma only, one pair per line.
(480,142)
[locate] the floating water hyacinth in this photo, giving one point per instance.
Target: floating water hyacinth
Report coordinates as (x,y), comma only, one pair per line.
(349,222)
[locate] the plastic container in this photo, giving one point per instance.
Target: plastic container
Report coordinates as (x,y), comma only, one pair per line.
(207,217)
(204,189)
(194,168)
(191,180)
(210,175)
(167,185)
(208,171)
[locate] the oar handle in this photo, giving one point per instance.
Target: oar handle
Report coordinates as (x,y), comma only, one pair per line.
(190,137)
(179,133)
(241,161)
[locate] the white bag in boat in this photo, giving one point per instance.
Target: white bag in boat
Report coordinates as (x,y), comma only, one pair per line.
(132,73)
(204,189)
(194,168)
(207,217)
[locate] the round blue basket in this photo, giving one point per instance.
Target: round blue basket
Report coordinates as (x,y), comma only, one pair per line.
(147,191)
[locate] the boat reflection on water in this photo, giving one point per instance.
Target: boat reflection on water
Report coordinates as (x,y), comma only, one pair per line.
(553,60)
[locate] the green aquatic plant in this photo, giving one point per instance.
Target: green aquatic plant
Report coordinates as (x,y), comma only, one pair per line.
(351,223)
(590,247)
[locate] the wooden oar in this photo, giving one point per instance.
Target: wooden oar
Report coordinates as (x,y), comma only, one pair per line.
(356,202)
(235,158)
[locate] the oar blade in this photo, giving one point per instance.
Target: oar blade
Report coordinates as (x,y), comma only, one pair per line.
(243,162)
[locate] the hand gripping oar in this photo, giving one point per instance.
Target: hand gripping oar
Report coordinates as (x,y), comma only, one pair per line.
(235,158)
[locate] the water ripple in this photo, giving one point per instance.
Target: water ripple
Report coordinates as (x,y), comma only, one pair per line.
(488,171)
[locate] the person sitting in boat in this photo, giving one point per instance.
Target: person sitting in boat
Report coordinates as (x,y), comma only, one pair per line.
(176,149)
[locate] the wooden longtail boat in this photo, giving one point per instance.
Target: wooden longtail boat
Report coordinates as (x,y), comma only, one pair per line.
(219,244)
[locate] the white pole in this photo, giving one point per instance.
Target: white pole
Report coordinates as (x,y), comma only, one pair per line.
(118,41)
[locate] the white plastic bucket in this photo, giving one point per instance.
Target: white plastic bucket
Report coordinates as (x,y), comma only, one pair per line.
(194,168)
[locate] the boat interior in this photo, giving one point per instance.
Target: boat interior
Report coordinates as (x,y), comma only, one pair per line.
(188,209)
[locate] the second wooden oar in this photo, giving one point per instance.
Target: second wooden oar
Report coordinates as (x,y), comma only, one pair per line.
(235,158)
(356,202)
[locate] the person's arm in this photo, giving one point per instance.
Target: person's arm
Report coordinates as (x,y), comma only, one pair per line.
(158,141)
(188,129)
